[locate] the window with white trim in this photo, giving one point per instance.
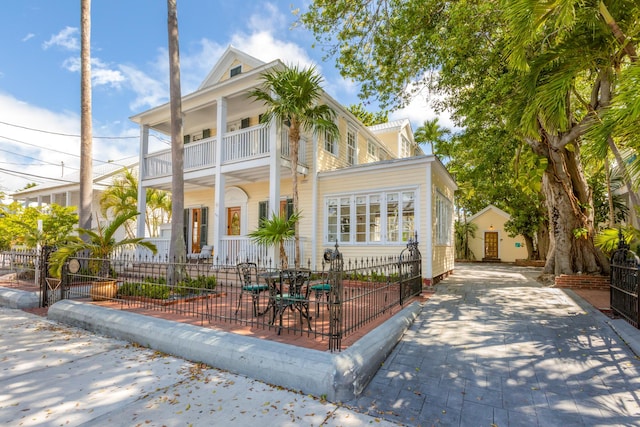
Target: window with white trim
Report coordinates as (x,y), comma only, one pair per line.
(352,147)
(380,217)
(444,218)
(372,149)
(405,147)
(330,143)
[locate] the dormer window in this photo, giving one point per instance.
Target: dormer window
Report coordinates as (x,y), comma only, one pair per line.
(235,71)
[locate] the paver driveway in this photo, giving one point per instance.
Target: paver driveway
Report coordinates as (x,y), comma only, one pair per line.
(495,348)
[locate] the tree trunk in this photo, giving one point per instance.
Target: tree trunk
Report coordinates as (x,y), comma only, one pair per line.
(543,240)
(86,161)
(570,213)
(294,141)
(177,247)
(528,242)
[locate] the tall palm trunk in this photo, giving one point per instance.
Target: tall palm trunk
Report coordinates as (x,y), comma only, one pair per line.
(177,249)
(294,142)
(86,167)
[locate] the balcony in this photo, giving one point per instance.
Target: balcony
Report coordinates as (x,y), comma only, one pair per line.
(241,145)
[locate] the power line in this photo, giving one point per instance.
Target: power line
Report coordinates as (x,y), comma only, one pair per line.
(51,149)
(33,158)
(20,174)
(78,136)
(65,134)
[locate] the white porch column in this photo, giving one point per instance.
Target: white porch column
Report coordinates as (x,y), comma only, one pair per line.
(142,191)
(426,240)
(39,201)
(315,227)
(218,204)
(67,201)
(275,158)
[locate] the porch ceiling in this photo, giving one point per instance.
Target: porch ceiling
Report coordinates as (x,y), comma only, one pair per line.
(205,115)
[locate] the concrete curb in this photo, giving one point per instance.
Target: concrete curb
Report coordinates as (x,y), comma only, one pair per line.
(338,376)
(16,298)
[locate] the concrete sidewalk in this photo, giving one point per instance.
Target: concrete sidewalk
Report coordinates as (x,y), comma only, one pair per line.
(494,348)
(56,375)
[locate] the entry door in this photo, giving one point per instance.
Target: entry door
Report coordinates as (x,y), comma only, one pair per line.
(196,227)
(233,221)
(491,244)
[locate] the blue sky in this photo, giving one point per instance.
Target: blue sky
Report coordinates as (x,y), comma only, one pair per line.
(40,78)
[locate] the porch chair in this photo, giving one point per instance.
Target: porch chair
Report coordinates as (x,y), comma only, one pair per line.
(205,254)
(322,289)
(297,299)
(248,276)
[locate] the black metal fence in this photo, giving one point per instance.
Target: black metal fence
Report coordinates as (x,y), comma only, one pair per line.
(335,302)
(625,281)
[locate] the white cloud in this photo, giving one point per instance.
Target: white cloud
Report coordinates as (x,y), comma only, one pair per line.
(28,37)
(66,38)
(149,91)
(101,74)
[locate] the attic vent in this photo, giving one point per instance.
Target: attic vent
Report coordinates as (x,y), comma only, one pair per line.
(235,71)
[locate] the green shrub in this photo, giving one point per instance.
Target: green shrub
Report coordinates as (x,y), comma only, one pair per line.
(149,290)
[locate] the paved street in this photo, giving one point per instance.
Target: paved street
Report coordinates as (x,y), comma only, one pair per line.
(53,375)
(493,348)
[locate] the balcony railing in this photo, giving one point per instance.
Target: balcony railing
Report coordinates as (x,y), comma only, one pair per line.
(245,143)
(197,155)
(237,146)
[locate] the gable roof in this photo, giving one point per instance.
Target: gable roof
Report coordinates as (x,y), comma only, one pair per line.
(224,63)
(394,125)
(488,208)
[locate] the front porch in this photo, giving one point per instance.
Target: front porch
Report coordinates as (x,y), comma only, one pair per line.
(232,249)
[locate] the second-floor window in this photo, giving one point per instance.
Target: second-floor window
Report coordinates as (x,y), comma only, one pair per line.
(352,147)
(330,144)
(372,150)
(405,147)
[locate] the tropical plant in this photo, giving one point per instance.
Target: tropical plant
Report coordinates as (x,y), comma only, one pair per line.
(275,231)
(608,239)
(99,245)
(122,197)
(57,225)
(464,232)
(292,97)
(431,133)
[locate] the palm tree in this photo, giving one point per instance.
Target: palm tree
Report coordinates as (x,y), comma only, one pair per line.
(431,133)
(86,169)
(177,247)
(292,97)
(99,244)
(122,196)
(274,232)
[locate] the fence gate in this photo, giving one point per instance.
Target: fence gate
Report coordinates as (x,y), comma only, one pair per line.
(625,279)
(410,269)
(50,288)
